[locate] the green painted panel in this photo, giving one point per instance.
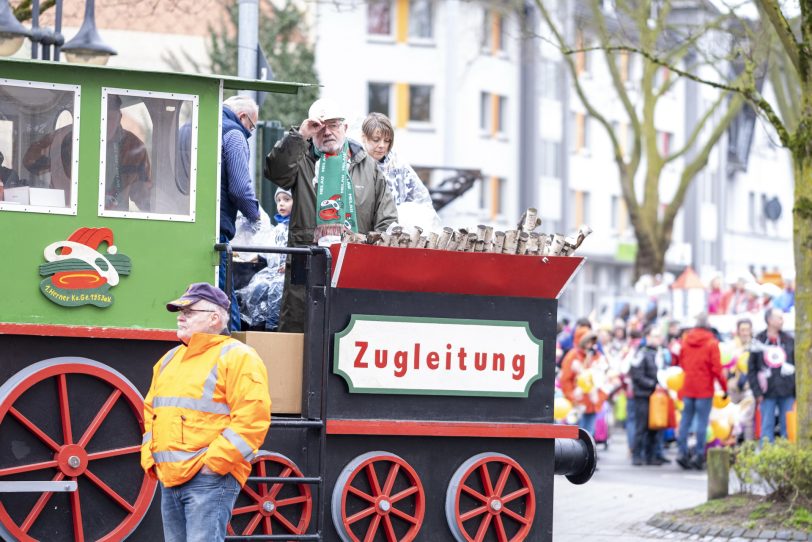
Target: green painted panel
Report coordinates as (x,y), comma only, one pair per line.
(165,256)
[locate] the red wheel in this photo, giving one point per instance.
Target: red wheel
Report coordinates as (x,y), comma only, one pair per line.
(378,496)
(72,419)
(490,493)
(273,508)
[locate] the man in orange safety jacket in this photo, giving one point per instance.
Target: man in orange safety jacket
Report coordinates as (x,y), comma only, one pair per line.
(206,414)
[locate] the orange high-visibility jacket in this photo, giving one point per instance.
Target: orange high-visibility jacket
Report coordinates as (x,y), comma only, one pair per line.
(208,404)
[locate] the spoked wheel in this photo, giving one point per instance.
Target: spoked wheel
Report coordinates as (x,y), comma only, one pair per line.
(378,496)
(490,497)
(272,508)
(72,419)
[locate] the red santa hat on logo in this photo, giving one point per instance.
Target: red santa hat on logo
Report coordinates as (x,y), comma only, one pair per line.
(92,237)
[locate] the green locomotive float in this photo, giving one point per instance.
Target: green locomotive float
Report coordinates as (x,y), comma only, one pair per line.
(109,208)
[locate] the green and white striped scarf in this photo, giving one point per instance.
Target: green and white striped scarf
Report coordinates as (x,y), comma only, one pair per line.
(335,196)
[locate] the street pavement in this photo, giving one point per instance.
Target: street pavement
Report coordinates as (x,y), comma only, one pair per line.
(616,503)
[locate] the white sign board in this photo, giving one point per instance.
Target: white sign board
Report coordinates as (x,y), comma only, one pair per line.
(437,356)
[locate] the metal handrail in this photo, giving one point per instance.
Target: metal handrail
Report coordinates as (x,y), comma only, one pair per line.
(310,423)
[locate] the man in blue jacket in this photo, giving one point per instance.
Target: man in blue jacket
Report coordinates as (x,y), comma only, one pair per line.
(240,115)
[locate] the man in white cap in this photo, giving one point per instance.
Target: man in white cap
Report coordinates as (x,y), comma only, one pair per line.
(291,164)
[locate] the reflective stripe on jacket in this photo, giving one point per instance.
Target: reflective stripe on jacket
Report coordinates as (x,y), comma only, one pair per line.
(208,404)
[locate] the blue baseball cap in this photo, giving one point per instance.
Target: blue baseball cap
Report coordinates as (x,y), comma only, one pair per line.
(197,292)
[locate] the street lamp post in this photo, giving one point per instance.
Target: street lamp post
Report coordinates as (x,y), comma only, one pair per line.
(86,47)
(12,33)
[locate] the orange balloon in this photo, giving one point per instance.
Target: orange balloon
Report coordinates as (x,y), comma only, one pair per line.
(675,378)
(561,407)
(720,401)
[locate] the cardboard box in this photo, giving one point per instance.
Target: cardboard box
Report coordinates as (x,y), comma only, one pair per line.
(283,355)
(28,195)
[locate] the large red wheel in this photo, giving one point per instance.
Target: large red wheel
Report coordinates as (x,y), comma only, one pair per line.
(272,508)
(72,419)
(378,496)
(490,497)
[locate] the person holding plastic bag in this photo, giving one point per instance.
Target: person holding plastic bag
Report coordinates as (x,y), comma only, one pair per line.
(262,297)
(411,196)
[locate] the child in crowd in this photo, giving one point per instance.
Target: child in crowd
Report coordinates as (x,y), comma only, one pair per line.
(262,298)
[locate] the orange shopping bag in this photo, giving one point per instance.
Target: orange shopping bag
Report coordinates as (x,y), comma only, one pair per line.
(658,410)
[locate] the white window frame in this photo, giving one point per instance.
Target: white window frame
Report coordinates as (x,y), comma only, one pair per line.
(195,99)
(72,206)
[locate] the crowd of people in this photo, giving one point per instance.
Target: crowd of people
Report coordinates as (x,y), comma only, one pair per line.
(690,384)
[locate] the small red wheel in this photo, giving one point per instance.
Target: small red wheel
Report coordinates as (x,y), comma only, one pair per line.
(272,507)
(490,493)
(378,496)
(72,419)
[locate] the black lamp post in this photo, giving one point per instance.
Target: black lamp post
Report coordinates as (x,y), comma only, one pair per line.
(86,47)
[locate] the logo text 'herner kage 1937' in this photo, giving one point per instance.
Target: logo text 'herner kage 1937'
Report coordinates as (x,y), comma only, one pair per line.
(81,274)
(437,356)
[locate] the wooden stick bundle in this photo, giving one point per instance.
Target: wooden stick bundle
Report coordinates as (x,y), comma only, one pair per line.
(523,240)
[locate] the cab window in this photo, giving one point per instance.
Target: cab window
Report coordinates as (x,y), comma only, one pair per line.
(148,155)
(39,146)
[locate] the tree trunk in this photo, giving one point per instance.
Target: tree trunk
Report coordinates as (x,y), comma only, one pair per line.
(802,214)
(650,257)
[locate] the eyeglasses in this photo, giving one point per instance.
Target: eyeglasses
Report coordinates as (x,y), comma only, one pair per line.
(253,126)
(188,312)
(333,125)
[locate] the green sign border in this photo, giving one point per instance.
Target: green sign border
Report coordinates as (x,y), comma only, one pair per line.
(441,321)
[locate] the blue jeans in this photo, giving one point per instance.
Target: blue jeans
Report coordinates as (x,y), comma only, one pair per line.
(630,422)
(199,510)
(587,422)
(234,323)
(698,409)
(768,406)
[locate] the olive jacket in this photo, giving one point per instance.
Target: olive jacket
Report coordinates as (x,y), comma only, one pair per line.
(291,164)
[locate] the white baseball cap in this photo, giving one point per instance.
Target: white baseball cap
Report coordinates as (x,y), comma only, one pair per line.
(325,109)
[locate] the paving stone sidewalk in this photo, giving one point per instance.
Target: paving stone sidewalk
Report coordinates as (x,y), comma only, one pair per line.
(659,528)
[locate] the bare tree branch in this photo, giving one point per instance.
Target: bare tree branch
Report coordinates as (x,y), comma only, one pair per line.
(772,12)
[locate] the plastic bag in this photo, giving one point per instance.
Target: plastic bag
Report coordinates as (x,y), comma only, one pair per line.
(247,237)
(418,214)
(657,410)
(261,299)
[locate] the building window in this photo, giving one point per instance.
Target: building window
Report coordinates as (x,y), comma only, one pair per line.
(580,132)
(484,110)
(583,58)
(420,103)
(552,75)
(379,98)
(550,158)
(379,17)
(624,66)
(421,19)
(664,143)
(491,195)
(39,143)
(661,77)
(493,35)
(581,207)
(492,113)
(620,215)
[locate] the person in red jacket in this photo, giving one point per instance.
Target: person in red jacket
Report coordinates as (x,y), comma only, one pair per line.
(699,358)
(581,359)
